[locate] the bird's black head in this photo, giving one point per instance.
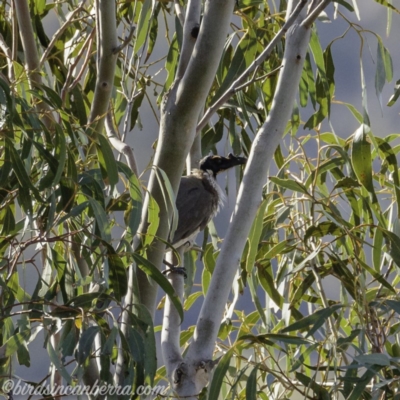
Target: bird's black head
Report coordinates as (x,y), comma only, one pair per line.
(218,164)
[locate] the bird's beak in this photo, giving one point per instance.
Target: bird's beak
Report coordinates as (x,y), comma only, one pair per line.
(230,161)
(236,160)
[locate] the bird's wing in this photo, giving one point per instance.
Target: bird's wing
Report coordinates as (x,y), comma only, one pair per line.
(196,207)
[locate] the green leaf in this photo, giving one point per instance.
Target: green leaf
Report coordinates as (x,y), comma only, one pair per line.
(191,299)
(303,356)
(323,229)
(135,191)
(315,320)
(219,375)
(344,4)
(384,69)
(143,24)
(111,340)
(251,385)
(376,275)
(394,245)
(20,171)
(320,392)
(136,344)
(324,84)
(276,337)
(388,5)
(394,305)
(100,215)
(87,300)
(6,98)
(152,35)
(85,343)
(254,236)
(267,282)
(169,198)
(6,166)
(12,345)
(150,270)
(53,97)
(77,210)
(282,247)
(61,154)
(361,159)
(7,221)
(252,283)
(395,95)
(289,184)
(117,273)
(306,260)
(153,219)
(357,115)
(363,381)
(107,161)
(306,82)
(56,361)
(244,54)
(171,63)
(374,359)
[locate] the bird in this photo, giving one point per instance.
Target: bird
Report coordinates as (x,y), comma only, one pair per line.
(200,197)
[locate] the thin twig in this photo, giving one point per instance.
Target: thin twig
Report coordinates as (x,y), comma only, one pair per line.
(126,41)
(257,62)
(313,15)
(8,53)
(85,63)
(14,29)
(67,86)
(60,31)
(255,79)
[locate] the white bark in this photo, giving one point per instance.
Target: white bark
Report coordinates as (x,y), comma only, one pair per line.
(31,54)
(171,332)
(178,124)
(265,54)
(8,53)
(192,20)
(107,42)
(180,112)
(249,197)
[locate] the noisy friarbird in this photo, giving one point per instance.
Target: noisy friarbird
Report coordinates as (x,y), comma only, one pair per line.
(200,197)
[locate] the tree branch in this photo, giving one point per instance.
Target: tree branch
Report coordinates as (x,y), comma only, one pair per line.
(171,332)
(266,53)
(14,31)
(32,64)
(8,53)
(59,32)
(107,42)
(194,155)
(250,192)
(126,41)
(179,116)
(314,13)
(192,22)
